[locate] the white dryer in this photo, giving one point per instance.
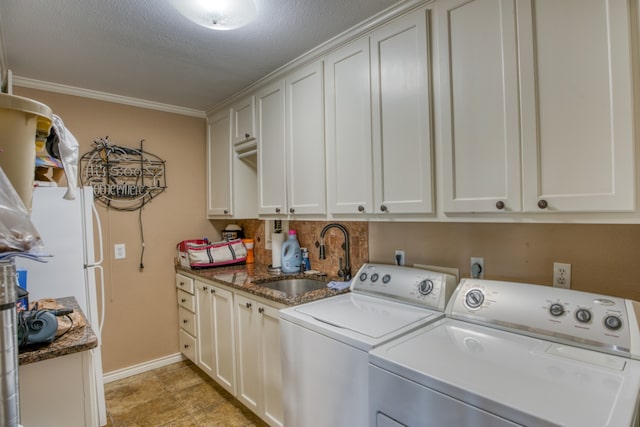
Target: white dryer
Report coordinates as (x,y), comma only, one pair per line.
(325,343)
(512,354)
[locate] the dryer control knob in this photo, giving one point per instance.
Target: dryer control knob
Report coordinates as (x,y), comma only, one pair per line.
(583,315)
(556,309)
(425,287)
(474,298)
(612,322)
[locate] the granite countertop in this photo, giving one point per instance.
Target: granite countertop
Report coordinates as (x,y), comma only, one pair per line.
(248,277)
(79,338)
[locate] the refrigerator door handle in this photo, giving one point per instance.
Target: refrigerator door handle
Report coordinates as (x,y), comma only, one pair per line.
(100,242)
(102,298)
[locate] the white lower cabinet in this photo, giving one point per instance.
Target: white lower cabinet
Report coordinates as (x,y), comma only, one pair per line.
(215,344)
(259,365)
(235,339)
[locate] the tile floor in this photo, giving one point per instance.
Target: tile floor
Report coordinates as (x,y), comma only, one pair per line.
(177,395)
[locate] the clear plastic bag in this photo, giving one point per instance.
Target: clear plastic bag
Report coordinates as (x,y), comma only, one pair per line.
(17,233)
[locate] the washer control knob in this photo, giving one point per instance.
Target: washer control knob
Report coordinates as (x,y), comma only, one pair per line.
(374,277)
(425,287)
(556,309)
(583,315)
(612,322)
(386,278)
(363,277)
(474,298)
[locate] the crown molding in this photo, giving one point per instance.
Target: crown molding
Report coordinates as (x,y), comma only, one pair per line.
(104,96)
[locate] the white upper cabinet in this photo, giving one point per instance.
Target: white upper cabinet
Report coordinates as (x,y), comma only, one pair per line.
(541,102)
(244,122)
(348,125)
(272,177)
(577,105)
(479,101)
(304,136)
(401,132)
(219,165)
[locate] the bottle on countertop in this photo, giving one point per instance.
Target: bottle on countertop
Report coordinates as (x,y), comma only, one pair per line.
(291,254)
(305,259)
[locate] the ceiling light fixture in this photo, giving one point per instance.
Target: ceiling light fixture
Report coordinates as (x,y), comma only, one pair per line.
(217,14)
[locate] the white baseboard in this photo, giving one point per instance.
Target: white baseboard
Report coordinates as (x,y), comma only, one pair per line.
(142,367)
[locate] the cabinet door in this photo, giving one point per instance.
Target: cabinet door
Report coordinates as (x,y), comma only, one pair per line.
(248,341)
(224,340)
(219,165)
(272,178)
(577,112)
(402,143)
(479,103)
(305,140)
(348,125)
(271,365)
(243,116)
(205,354)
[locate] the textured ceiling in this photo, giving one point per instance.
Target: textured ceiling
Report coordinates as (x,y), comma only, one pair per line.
(145,49)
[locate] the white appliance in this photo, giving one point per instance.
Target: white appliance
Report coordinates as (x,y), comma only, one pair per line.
(512,354)
(325,342)
(67,229)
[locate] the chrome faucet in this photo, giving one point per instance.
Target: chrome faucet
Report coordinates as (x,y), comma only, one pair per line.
(344,272)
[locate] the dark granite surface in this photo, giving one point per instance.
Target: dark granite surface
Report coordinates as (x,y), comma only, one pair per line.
(79,338)
(248,277)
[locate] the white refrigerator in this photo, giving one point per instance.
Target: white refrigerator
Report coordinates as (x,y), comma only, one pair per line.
(67,229)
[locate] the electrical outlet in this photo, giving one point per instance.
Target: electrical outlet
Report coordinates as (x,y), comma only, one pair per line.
(120,251)
(399,257)
(561,275)
(477,267)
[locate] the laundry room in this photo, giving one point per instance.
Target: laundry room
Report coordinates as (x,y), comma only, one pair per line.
(512,173)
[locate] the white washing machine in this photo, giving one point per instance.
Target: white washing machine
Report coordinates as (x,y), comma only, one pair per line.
(511,354)
(325,343)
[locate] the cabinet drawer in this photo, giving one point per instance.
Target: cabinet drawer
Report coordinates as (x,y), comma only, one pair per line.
(188,345)
(186,300)
(185,283)
(187,321)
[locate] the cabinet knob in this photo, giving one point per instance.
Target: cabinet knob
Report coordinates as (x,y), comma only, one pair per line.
(542,204)
(291,210)
(204,288)
(246,135)
(500,204)
(226,211)
(213,291)
(183,300)
(360,208)
(186,346)
(260,310)
(181,283)
(277,210)
(248,305)
(185,321)
(383,208)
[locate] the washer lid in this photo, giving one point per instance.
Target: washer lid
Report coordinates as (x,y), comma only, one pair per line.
(372,317)
(515,376)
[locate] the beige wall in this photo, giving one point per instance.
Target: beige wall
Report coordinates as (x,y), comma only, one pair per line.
(141,313)
(603,258)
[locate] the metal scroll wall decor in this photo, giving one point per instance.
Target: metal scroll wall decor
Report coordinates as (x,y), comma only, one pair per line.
(122,178)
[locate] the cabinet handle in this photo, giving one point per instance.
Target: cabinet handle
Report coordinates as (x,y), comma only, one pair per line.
(542,204)
(500,204)
(277,210)
(383,208)
(291,210)
(248,305)
(183,300)
(246,135)
(260,310)
(360,208)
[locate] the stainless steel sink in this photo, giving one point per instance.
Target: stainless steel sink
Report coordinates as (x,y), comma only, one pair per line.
(294,287)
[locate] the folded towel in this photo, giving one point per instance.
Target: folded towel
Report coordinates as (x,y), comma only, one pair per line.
(338,286)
